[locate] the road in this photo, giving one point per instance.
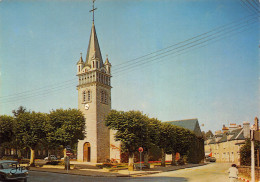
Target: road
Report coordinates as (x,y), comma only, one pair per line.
(214,172)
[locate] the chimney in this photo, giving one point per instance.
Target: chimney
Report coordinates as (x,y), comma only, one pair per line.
(256,124)
(246,128)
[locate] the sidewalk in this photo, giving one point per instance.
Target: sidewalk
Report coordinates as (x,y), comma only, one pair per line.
(92,171)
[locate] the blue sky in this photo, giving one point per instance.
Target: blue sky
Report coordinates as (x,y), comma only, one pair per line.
(41,41)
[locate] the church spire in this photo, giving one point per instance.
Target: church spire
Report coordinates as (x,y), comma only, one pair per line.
(93,46)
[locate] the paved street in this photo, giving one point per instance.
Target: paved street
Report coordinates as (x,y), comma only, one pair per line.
(213,172)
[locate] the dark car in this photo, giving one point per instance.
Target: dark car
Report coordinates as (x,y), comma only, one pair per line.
(11,170)
(210,159)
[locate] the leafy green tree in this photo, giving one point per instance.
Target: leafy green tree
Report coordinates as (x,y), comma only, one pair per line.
(131,130)
(6,131)
(30,130)
(153,129)
(6,128)
(65,127)
(16,142)
(20,110)
(185,138)
(245,152)
(167,140)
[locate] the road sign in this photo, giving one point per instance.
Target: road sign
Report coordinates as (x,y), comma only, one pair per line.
(140,149)
(68,153)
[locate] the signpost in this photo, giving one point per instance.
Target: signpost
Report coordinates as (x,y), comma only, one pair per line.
(140,151)
(67,158)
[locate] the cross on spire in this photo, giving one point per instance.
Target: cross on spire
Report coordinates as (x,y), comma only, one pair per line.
(93,9)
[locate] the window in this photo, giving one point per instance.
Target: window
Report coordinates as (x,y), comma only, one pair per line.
(102,96)
(105,98)
(89,96)
(84,96)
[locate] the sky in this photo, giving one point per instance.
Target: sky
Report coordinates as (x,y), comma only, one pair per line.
(216,81)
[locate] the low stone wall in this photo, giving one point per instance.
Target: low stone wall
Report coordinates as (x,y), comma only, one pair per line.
(246,172)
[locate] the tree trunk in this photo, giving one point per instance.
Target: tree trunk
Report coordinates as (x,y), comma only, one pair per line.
(131,162)
(163,158)
(173,159)
(146,160)
(32,159)
(19,153)
(64,152)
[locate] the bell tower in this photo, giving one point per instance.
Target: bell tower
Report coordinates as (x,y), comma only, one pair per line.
(94,100)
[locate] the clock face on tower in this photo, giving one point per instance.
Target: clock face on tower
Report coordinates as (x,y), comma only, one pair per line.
(86,106)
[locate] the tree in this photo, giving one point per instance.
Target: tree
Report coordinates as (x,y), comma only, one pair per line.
(16,142)
(245,152)
(152,137)
(65,127)
(30,130)
(131,130)
(167,140)
(20,110)
(6,130)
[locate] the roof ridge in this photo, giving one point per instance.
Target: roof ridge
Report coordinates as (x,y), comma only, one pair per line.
(182,120)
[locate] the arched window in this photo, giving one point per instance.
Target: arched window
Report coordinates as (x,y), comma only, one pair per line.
(105,97)
(102,96)
(89,96)
(84,96)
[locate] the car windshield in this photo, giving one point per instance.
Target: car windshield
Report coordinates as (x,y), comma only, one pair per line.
(8,165)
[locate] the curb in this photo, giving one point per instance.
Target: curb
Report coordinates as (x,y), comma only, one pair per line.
(243,179)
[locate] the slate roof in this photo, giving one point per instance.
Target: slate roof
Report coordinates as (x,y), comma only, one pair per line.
(213,141)
(93,48)
(190,124)
(236,134)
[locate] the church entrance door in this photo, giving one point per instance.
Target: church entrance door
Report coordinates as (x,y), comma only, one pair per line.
(86,152)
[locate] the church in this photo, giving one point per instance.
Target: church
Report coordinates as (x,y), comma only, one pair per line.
(94,100)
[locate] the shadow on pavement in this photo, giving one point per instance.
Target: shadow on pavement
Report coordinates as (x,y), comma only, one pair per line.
(47,177)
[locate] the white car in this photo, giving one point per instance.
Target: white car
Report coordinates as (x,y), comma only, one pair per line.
(52,157)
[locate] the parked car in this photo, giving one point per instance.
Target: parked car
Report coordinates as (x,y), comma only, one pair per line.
(52,157)
(210,159)
(11,170)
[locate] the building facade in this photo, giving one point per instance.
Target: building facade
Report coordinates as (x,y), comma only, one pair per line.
(225,146)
